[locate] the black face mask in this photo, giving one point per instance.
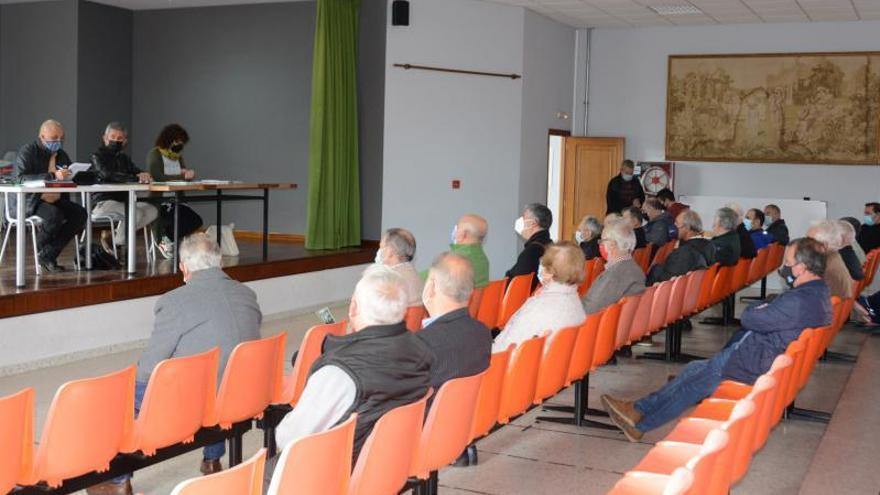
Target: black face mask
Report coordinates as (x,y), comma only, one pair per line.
(114,146)
(787,275)
(177,148)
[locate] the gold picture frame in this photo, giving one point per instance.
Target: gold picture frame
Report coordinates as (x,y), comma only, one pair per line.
(802,108)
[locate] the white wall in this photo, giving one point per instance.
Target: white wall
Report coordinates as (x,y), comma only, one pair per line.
(440,127)
(628,98)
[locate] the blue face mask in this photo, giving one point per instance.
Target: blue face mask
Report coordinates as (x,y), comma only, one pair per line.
(747,223)
(767,221)
(868,220)
(53,146)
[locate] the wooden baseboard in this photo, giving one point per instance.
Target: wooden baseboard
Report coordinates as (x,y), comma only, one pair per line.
(253,235)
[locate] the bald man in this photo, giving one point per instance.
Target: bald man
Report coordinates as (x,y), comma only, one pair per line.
(467,240)
(44,159)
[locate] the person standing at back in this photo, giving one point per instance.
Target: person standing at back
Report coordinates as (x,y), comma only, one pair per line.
(624,190)
(532,226)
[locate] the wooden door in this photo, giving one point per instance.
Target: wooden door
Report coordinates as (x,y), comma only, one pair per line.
(588,163)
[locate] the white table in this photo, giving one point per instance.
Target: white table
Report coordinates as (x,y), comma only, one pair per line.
(21,234)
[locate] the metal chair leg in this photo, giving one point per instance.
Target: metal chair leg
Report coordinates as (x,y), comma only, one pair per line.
(5,240)
(36,257)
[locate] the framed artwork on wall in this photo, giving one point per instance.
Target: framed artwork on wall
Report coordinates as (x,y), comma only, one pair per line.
(788,108)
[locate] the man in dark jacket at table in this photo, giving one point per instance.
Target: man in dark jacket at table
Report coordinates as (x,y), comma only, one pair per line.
(694,252)
(624,190)
(62,219)
(532,226)
(726,239)
(767,329)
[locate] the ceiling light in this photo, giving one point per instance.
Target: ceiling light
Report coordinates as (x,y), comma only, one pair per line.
(675,9)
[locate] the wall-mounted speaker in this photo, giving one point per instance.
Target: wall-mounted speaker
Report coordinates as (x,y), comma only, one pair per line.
(400,13)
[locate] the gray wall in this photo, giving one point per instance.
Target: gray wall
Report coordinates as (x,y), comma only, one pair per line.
(38,63)
(104,72)
(371,113)
(238,79)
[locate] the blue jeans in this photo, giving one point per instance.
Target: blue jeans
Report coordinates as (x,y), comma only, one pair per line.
(209,453)
(695,382)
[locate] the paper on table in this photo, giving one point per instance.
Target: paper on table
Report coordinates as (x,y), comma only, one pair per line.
(76,168)
(34,183)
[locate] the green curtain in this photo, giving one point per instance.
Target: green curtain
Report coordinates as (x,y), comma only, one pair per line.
(334,216)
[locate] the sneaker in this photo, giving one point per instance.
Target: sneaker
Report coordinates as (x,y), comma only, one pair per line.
(166,248)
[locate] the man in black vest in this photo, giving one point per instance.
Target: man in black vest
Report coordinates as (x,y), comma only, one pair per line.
(374,369)
(531,226)
(694,252)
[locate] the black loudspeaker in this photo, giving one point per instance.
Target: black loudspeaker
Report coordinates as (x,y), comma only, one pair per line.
(400,13)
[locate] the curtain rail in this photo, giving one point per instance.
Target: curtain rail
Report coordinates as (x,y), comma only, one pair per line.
(457,71)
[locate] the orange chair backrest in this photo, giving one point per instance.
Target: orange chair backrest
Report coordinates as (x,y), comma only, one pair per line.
(759,265)
(414,317)
(676,298)
(553,370)
(740,422)
(179,400)
(584,347)
(704,464)
(598,268)
(836,314)
(519,289)
(813,342)
(521,379)
(489,399)
(607,336)
(764,395)
(89,422)
(491,303)
(251,380)
(643,314)
(16,438)
(447,429)
(721,284)
(588,276)
(474,302)
(318,463)
(706,285)
(384,462)
(243,479)
(292,385)
(663,253)
(642,256)
(692,292)
(659,306)
(641,483)
(740,273)
(627,313)
(776,257)
(795,351)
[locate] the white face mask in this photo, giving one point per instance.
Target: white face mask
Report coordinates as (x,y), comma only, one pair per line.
(453,234)
(627,177)
(519,225)
(541,274)
(379,256)
(579,237)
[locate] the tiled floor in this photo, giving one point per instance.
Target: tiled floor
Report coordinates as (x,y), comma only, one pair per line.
(533,457)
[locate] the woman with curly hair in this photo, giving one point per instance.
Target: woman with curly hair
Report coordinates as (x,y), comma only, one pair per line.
(165,163)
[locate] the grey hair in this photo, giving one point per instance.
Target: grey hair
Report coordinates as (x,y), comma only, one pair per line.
(116,126)
(827,232)
(381,296)
(621,233)
(727,218)
(592,224)
(736,208)
(453,276)
(402,242)
(691,220)
(199,252)
(51,123)
(847,232)
(542,215)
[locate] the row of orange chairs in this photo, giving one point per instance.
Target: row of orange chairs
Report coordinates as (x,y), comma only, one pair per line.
(711,449)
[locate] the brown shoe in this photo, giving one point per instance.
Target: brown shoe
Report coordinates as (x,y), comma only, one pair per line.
(211,467)
(110,488)
(107,241)
(625,409)
(632,433)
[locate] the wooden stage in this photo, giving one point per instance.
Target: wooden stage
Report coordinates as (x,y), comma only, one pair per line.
(70,289)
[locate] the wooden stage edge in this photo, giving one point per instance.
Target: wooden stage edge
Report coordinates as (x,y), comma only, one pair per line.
(25,302)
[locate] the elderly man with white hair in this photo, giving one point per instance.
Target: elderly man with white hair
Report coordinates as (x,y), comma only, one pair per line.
(371,371)
(210,310)
(587,236)
(397,248)
(726,239)
(694,252)
(836,275)
(622,276)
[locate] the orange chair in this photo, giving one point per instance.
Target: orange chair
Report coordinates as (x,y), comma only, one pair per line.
(642,257)
(251,380)
(489,398)
(740,274)
(639,483)
(692,293)
(518,291)
(701,460)
(663,253)
(627,314)
(705,298)
(243,479)
(89,422)
(721,284)
(598,268)
(319,463)
(589,265)
(414,317)
(385,459)
(758,267)
(474,302)
(607,335)
(490,305)
(677,297)
(553,370)
(179,400)
(642,317)
(659,306)
(447,429)
(292,385)
(17,434)
(521,379)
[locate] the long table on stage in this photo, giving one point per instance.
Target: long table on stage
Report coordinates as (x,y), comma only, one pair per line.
(177,190)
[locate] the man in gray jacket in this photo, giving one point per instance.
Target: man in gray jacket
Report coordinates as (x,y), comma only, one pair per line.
(210,310)
(622,276)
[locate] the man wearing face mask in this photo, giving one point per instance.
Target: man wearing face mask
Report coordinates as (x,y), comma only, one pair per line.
(587,236)
(466,240)
(113,166)
(767,329)
(532,226)
(634,218)
(694,252)
(754,223)
(869,234)
(622,276)
(397,248)
(624,190)
(775,225)
(44,159)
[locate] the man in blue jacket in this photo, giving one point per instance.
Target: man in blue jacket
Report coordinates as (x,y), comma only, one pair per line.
(767,329)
